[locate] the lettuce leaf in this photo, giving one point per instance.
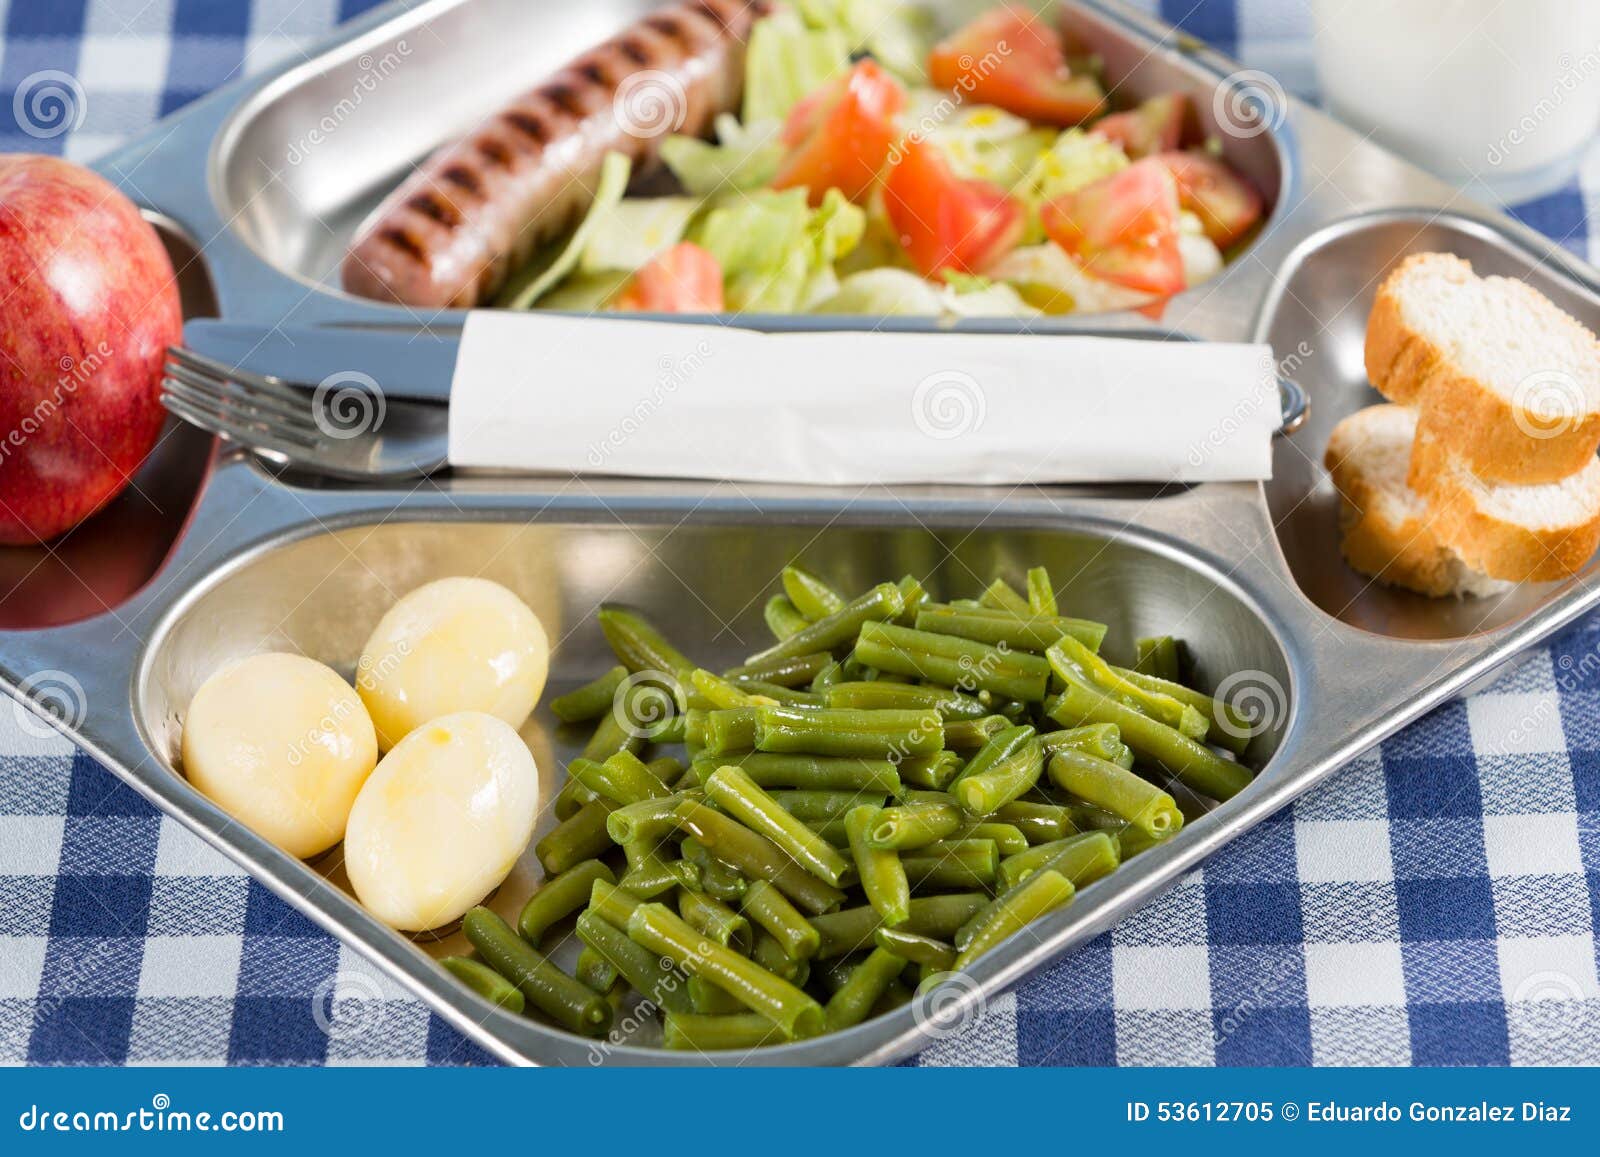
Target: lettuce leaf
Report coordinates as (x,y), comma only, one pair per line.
(635,229)
(743,157)
(898,35)
(541,276)
(776,252)
(785,62)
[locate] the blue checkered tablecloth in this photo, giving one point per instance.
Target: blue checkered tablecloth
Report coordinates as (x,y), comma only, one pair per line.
(1435,904)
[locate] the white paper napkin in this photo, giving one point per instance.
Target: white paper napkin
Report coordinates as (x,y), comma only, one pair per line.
(615,396)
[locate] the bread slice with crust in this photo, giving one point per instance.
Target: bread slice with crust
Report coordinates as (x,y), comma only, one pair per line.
(1503,379)
(1539,533)
(1388,530)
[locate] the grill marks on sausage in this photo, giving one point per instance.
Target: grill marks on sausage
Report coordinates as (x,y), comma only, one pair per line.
(529,124)
(407,244)
(634,50)
(436,208)
(671,25)
(464,179)
(567,98)
(494,152)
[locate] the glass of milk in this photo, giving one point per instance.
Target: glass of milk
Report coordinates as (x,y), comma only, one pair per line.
(1489,94)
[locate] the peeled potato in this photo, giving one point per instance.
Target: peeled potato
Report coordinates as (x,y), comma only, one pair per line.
(283,744)
(458,644)
(441,822)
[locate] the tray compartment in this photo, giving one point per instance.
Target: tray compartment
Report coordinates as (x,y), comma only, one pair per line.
(95,568)
(705,584)
(294,179)
(1315,319)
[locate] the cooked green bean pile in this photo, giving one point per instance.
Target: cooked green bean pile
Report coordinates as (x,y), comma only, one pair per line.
(888,791)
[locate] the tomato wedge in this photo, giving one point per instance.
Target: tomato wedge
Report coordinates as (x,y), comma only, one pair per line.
(1156,126)
(683,279)
(946,222)
(1226,203)
(840,137)
(1123,228)
(1013,58)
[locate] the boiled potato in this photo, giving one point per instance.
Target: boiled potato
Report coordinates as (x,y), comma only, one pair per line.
(283,744)
(441,822)
(458,644)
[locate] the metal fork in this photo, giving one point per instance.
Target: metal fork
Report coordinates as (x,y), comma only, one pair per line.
(344,427)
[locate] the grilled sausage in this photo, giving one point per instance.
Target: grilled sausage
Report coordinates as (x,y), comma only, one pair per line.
(453,232)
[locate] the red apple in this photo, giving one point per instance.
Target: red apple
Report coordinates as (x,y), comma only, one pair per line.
(90,306)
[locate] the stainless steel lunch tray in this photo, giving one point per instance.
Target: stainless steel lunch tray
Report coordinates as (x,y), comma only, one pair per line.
(211,556)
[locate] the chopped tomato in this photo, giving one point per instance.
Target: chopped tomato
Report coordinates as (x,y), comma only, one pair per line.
(1156,126)
(946,222)
(683,279)
(1123,228)
(840,137)
(1013,58)
(1225,202)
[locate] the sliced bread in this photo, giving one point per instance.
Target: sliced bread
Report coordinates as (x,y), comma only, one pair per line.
(1507,382)
(1538,533)
(1387,528)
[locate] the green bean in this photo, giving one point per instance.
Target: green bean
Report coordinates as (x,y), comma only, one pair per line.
(824,805)
(590,701)
(719,880)
(717,691)
(1131,841)
(913,825)
(656,980)
(1089,818)
(760,693)
(999,595)
(614,904)
(847,732)
(1081,859)
(595,971)
(1025,632)
(649,873)
(623,779)
(849,929)
(971,734)
(832,832)
(485,981)
(1041,593)
(732,729)
(914,595)
(715,919)
(923,950)
(936,772)
(955,662)
(814,598)
(709,1034)
(868,980)
(1124,794)
(1228,727)
(755,855)
(770,910)
(767,951)
(960,864)
(572,796)
(1039,894)
(829,676)
(1008,841)
(882,877)
(639,646)
(569,1003)
(737,794)
(709,1000)
(783,618)
(906,697)
(1004,768)
(1193,763)
(1094,671)
(882,602)
(666,768)
(773,997)
(1157,657)
(817,772)
(791,671)
(616,733)
(581,836)
(560,897)
(1101,740)
(1039,822)
(647,819)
